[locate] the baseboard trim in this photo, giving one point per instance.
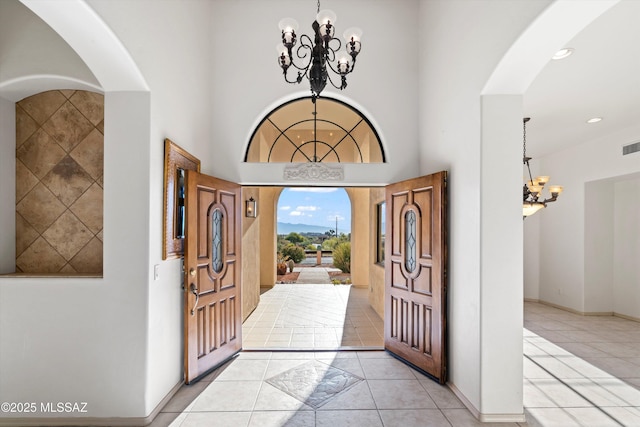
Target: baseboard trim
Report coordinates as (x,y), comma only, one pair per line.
(503,418)
(163,402)
(91,421)
(583,313)
(624,316)
(74,421)
(474,411)
(486,418)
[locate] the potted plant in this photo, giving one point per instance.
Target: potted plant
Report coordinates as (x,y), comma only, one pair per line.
(281,264)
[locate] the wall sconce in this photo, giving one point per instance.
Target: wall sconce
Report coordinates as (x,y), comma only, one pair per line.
(251,208)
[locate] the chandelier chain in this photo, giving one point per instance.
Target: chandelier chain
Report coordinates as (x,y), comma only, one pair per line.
(318,7)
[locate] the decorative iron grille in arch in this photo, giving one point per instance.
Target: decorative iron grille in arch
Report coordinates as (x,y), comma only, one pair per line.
(327,131)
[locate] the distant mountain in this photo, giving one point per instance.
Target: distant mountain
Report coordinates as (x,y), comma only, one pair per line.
(286,228)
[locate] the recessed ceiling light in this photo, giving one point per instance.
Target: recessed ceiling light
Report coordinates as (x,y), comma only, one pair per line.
(562,53)
(594,120)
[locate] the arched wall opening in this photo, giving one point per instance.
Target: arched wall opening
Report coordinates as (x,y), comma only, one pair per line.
(315,130)
(127,123)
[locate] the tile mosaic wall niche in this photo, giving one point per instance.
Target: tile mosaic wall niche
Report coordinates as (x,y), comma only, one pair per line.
(59,183)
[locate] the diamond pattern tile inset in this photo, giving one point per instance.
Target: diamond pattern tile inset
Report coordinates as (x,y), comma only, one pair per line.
(40,153)
(42,106)
(67,235)
(89,154)
(25,126)
(25,180)
(68,127)
(40,208)
(59,178)
(68,181)
(314,383)
(90,104)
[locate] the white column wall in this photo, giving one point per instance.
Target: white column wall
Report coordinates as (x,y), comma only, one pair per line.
(626,253)
(599,245)
(7,186)
(531,258)
(501,250)
(452,77)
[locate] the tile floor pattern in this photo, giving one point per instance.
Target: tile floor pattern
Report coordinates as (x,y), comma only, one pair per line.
(314,317)
(390,394)
(580,370)
(570,368)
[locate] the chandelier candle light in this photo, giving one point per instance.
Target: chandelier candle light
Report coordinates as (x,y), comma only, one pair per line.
(532,189)
(315,55)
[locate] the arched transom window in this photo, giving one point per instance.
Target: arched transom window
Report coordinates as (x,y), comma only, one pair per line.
(327,131)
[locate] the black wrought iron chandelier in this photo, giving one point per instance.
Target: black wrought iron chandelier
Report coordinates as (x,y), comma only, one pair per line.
(318,54)
(532,189)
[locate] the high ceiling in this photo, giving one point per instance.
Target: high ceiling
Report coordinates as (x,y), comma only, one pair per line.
(600,79)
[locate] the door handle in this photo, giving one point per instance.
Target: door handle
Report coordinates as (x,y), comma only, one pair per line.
(194,291)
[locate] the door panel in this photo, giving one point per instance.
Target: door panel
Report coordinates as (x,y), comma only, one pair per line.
(415,273)
(212,314)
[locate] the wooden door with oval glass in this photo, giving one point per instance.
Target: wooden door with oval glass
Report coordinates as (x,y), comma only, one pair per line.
(415,273)
(212,312)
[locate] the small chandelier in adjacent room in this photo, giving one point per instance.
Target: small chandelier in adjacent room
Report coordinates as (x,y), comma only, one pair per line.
(532,189)
(315,55)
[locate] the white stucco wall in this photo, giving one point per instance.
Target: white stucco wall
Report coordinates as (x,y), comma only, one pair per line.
(531,257)
(452,137)
(7,186)
(248,83)
(169,43)
(563,225)
(71,339)
(122,335)
(598,246)
(626,276)
(27,43)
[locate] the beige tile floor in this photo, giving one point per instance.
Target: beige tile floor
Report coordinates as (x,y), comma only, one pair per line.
(388,394)
(313,317)
(580,370)
(560,388)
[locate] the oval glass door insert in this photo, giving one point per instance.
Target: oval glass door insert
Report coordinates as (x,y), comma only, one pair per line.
(410,241)
(216,240)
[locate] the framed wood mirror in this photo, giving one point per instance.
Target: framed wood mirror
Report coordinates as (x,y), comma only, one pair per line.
(176,162)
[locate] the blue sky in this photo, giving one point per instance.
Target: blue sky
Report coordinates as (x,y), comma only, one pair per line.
(316,206)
